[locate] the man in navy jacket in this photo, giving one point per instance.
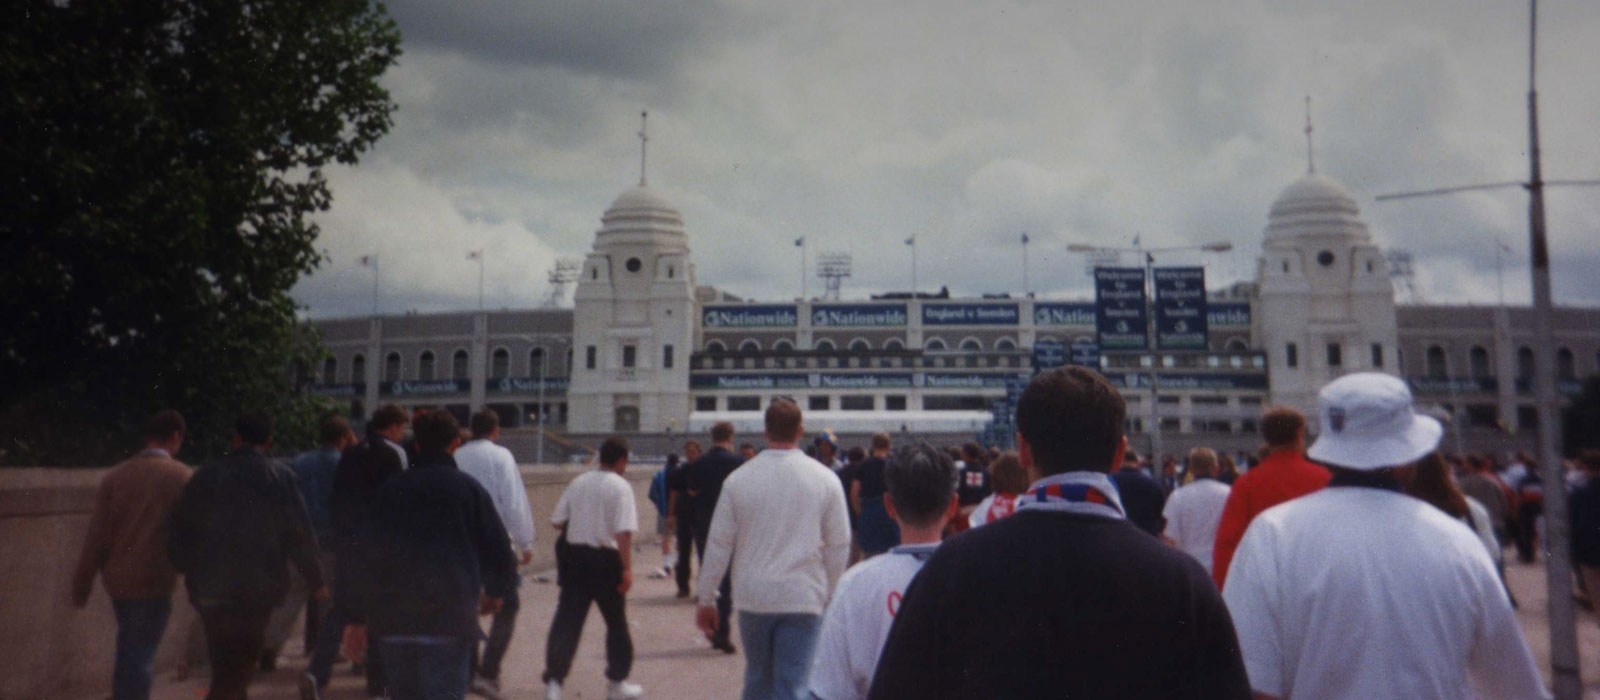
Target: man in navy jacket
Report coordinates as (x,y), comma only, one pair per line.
(437,555)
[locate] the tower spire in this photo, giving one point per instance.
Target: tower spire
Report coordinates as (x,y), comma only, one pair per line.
(644,146)
(1311,156)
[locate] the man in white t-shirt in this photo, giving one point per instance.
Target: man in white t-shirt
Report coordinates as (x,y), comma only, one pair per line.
(782,522)
(597,515)
(921,500)
(496,471)
(1193,511)
(1359,591)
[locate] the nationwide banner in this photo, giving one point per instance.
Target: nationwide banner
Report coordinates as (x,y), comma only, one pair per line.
(948,380)
(749,381)
(1119,308)
(862,381)
(1067,314)
(1181,308)
(969,314)
(525,385)
(858,315)
(1205,382)
(434,388)
(1228,313)
(764,316)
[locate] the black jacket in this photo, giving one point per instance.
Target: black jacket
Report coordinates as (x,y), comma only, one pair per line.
(705,477)
(1061,605)
(239,521)
(434,542)
(362,471)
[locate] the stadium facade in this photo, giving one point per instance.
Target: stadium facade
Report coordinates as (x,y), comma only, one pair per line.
(647,351)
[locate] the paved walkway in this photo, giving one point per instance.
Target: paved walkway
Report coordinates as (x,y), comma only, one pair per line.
(674,661)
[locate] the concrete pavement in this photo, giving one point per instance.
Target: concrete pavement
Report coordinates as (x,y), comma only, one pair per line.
(674,661)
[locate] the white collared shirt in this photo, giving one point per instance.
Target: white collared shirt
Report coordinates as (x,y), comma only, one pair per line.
(496,470)
(1193,513)
(858,621)
(1355,592)
(595,507)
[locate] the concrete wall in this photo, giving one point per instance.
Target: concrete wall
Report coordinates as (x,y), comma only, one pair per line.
(50,649)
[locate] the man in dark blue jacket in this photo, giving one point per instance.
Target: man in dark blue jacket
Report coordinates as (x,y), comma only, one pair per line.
(705,477)
(437,556)
(238,524)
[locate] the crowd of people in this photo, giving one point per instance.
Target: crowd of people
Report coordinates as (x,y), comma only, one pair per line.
(1363,564)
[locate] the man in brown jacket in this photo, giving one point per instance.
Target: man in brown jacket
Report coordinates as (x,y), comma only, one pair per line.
(127,546)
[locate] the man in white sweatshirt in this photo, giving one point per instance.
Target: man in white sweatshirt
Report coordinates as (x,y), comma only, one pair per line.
(781,521)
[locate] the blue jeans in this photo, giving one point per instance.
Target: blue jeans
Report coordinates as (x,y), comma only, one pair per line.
(432,669)
(140,624)
(777,654)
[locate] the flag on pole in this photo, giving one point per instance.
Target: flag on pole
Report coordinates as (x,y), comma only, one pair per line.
(801,241)
(475,255)
(912,240)
(1136,240)
(1024,237)
(366,261)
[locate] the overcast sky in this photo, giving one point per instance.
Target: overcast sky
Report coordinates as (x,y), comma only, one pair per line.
(858,124)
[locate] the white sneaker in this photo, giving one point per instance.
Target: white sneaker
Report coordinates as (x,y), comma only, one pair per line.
(623,690)
(662,572)
(552,690)
(485,687)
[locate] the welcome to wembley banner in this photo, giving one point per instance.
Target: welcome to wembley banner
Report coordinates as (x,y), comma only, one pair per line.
(1180,308)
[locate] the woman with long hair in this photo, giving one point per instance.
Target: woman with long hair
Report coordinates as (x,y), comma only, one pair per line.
(1432,481)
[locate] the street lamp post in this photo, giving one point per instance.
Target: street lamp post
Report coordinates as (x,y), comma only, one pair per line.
(1148,254)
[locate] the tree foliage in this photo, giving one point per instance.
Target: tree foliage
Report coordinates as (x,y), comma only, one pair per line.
(159,161)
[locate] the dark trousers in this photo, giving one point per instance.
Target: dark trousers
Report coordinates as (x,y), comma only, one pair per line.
(313,623)
(426,670)
(724,592)
(1527,531)
(140,624)
(234,635)
(686,542)
(567,627)
(500,630)
(330,637)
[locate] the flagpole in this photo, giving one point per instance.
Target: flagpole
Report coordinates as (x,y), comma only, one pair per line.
(480,279)
(376,275)
(1025,290)
(912,241)
(802,268)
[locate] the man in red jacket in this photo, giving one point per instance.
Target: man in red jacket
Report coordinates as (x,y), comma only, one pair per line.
(1284,474)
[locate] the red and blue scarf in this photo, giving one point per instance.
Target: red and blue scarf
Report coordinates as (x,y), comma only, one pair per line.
(1086,493)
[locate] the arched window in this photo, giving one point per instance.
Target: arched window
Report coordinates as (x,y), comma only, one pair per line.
(1525,363)
(500,364)
(893,344)
(458,365)
(425,366)
(1005,344)
(783,345)
(391,367)
(358,368)
(1566,366)
(934,344)
(716,347)
(750,345)
(971,345)
(860,345)
(1236,345)
(1437,365)
(824,345)
(330,371)
(536,366)
(1479,359)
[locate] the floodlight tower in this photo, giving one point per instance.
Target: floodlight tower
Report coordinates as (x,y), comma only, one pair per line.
(833,268)
(564,273)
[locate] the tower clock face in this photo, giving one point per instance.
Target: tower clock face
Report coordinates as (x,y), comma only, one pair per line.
(633,264)
(1325,258)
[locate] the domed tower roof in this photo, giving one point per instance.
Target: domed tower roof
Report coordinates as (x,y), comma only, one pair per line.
(641,211)
(1313,205)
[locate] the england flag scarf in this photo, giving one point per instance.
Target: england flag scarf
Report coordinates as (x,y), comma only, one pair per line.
(1086,493)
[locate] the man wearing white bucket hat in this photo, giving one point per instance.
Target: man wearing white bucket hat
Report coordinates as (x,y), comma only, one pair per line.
(1359,591)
